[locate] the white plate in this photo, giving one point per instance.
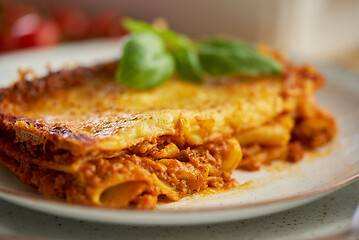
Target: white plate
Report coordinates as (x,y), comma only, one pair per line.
(272,189)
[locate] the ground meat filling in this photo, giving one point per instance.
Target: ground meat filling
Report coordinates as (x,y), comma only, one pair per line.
(185,169)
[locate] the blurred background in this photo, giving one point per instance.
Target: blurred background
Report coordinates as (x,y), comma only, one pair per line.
(318,30)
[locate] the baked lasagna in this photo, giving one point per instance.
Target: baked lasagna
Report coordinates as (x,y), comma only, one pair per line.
(79,136)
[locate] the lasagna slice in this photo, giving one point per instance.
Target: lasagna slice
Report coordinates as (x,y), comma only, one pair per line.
(79,136)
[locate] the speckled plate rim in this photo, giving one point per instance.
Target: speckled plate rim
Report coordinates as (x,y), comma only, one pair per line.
(335,185)
(167,217)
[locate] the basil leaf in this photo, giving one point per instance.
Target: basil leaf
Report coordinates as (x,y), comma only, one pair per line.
(227,56)
(134,26)
(145,62)
(187,63)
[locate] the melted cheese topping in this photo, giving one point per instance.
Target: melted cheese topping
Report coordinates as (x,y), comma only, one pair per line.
(118,118)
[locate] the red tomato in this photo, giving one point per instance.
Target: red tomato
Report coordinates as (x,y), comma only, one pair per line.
(10,12)
(73,22)
(30,30)
(107,24)
(23,30)
(48,33)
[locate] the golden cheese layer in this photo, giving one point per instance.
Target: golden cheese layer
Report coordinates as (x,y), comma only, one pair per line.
(117,118)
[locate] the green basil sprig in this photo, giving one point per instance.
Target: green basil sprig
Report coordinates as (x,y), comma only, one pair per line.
(152,54)
(145,62)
